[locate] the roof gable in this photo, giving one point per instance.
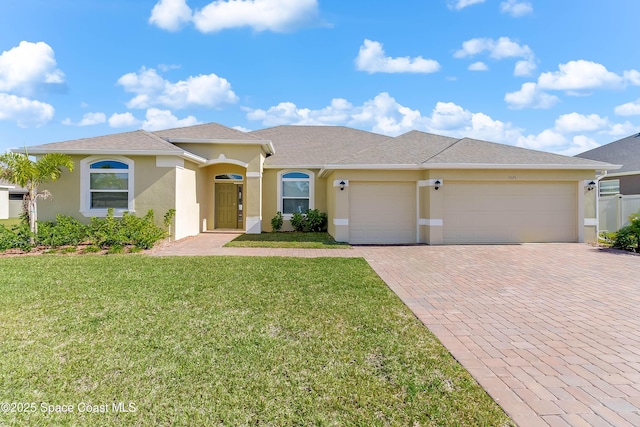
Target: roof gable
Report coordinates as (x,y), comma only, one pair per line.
(625,152)
(207,131)
(316,145)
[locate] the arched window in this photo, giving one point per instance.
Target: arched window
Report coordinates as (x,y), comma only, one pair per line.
(295,192)
(106,183)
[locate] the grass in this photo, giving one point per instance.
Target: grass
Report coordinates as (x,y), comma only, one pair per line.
(287,240)
(10,222)
(223,341)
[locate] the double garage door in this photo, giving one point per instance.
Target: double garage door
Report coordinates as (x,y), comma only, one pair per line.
(488,212)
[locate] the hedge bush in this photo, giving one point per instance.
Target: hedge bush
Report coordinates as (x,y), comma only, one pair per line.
(105,233)
(313,220)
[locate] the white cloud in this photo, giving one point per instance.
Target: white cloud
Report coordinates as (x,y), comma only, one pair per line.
(152,90)
(552,141)
(629,109)
(27,65)
(530,96)
(25,112)
(121,120)
(383,114)
(516,8)
(524,68)
(170,15)
(241,129)
(88,119)
(499,49)
(261,15)
(157,119)
(478,66)
(574,122)
(372,59)
(502,48)
(461,4)
(583,75)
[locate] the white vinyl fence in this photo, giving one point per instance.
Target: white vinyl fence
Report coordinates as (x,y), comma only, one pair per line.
(614,211)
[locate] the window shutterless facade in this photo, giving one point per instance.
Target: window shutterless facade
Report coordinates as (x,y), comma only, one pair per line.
(295,192)
(106,184)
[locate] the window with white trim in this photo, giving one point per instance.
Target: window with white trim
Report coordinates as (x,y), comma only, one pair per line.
(106,184)
(295,192)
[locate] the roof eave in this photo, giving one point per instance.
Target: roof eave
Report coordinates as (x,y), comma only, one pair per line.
(267,146)
(603,166)
(174,153)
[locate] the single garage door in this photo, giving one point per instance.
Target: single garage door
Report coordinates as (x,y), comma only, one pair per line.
(511,212)
(382,212)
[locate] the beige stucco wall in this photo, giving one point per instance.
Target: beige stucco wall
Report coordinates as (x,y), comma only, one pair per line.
(187,218)
(247,153)
(4,203)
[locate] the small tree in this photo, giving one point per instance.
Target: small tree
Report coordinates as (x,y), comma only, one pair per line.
(19,169)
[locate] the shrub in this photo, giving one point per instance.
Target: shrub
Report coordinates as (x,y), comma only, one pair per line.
(628,238)
(277,222)
(128,230)
(64,231)
(313,220)
(17,237)
(298,222)
(316,220)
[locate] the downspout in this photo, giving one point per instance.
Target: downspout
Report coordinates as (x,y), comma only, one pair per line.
(598,178)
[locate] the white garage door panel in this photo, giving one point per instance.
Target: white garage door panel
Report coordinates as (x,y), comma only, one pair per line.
(382,212)
(510,212)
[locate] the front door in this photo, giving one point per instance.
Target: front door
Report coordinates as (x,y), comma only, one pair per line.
(226,205)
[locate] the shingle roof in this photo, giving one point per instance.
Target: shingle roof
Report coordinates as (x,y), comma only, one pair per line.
(472,151)
(334,146)
(316,145)
(205,131)
(625,152)
(138,140)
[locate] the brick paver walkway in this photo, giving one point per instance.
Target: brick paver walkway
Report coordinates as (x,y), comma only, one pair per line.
(551,331)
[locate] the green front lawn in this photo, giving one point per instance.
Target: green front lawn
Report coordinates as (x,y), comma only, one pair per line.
(222,341)
(291,239)
(10,222)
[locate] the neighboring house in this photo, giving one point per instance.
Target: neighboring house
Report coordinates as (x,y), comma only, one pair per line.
(414,188)
(625,152)
(10,200)
(619,190)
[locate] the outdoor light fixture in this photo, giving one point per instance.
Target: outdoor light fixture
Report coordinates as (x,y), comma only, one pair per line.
(437,184)
(591,186)
(342,184)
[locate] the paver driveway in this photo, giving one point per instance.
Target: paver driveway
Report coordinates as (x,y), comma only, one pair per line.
(551,331)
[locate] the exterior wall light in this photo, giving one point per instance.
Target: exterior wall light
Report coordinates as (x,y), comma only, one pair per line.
(591,186)
(342,184)
(437,184)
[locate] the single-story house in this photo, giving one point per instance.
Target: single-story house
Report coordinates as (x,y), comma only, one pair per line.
(11,197)
(376,189)
(625,152)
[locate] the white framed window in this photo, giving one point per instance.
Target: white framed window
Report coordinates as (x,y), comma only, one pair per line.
(295,192)
(106,183)
(609,187)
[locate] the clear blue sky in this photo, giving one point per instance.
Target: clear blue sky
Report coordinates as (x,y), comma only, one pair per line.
(560,76)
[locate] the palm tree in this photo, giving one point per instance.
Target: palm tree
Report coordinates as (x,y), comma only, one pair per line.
(19,169)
